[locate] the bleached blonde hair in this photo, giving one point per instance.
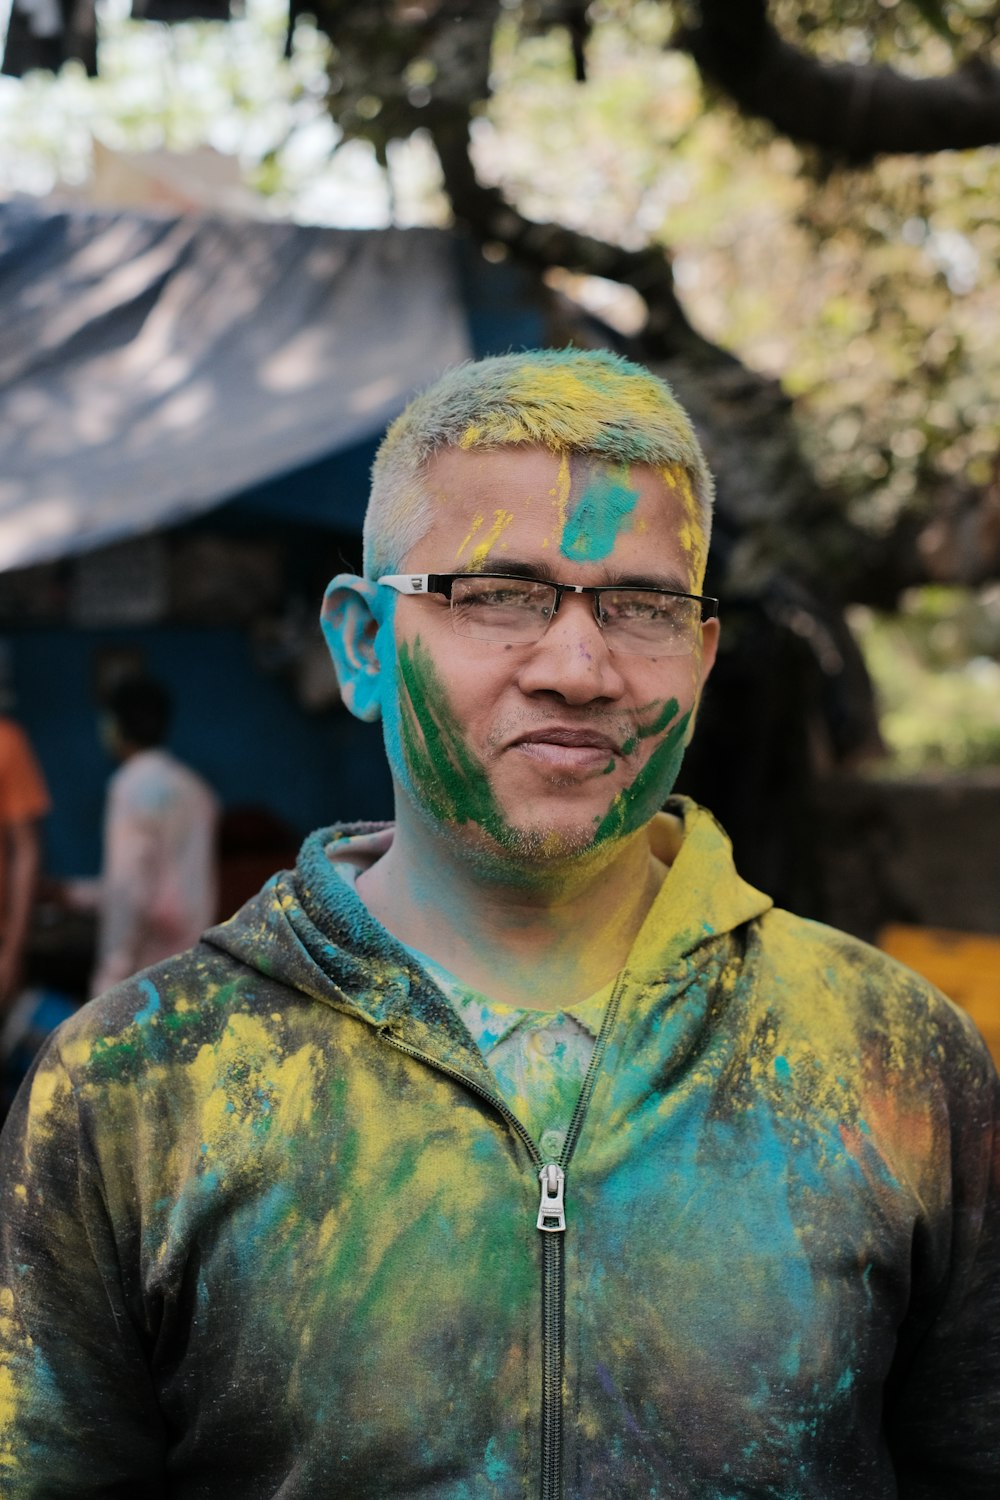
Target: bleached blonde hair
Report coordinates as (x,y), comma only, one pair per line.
(585,401)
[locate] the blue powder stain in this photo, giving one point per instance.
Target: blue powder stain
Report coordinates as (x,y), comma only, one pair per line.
(149,1010)
(592,530)
(495,1468)
(783,1069)
(791,1361)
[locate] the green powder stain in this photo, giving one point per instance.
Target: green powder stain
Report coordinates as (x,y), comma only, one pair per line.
(659,724)
(453,784)
(452,781)
(605,505)
(633,807)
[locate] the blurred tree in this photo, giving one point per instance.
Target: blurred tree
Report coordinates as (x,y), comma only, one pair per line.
(546,159)
(824,78)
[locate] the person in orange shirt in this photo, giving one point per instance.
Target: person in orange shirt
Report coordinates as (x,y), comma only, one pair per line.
(24,799)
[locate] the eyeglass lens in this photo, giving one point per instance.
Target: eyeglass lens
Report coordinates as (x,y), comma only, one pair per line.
(518,611)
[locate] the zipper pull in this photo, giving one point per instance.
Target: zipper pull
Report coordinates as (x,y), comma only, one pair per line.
(551,1213)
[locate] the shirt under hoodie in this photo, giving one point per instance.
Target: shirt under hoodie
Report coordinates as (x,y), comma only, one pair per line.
(270,1227)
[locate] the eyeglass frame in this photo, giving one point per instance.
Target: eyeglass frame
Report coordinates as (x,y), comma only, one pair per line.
(418,584)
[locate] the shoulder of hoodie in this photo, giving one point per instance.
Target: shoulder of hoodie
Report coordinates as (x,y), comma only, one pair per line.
(161,1017)
(824,974)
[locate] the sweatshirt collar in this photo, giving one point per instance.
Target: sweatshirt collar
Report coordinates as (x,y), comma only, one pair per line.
(309,929)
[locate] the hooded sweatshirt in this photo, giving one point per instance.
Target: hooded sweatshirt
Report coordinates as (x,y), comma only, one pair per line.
(269,1230)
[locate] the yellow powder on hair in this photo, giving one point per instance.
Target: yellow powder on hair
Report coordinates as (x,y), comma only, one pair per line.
(691,532)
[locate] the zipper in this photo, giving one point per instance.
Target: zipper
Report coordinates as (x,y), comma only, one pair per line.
(551,1221)
(554,1274)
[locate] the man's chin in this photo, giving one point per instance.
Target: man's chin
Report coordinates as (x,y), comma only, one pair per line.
(533,851)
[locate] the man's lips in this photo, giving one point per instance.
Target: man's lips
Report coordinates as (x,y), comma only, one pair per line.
(582,738)
(564,748)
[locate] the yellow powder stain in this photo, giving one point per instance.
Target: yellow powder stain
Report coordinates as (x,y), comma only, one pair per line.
(182,1006)
(560,493)
(76,1052)
(691,532)
(8,1411)
(8,1386)
(470,437)
(46,1086)
(583,406)
(501,520)
(477,521)
(246,1052)
(385,1139)
(20,1191)
(327,1229)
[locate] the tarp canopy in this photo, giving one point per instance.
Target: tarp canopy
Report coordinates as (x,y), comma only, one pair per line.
(151,368)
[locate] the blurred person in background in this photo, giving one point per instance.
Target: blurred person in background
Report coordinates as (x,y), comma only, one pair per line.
(24,800)
(157,891)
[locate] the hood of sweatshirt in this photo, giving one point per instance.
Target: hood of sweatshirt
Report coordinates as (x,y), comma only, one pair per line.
(309,930)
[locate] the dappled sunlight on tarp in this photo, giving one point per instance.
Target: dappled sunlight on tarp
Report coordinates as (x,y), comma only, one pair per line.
(151,368)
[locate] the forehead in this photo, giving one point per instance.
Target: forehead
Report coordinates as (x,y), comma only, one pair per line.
(568,511)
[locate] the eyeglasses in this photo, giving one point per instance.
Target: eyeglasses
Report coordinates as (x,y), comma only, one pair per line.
(517,611)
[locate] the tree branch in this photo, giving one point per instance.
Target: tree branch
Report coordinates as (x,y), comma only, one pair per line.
(490,217)
(857,112)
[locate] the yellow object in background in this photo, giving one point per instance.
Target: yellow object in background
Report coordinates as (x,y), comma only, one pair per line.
(965,965)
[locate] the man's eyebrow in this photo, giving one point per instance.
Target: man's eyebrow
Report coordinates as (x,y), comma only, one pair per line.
(668,579)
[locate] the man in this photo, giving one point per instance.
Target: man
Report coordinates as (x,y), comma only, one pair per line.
(520,1148)
(157,892)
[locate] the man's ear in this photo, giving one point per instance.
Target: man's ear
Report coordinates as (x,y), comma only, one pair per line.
(709,648)
(349,626)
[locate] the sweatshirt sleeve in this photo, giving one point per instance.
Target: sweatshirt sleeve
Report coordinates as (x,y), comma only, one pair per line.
(943,1399)
(78,1415)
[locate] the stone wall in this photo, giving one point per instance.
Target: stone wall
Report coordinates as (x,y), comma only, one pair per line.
(923,851)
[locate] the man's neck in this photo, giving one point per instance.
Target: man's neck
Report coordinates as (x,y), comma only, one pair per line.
(541,944)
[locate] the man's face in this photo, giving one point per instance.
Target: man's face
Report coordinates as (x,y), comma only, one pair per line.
(562,745)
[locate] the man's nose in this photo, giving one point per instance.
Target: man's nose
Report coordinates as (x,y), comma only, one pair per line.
(572,657)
